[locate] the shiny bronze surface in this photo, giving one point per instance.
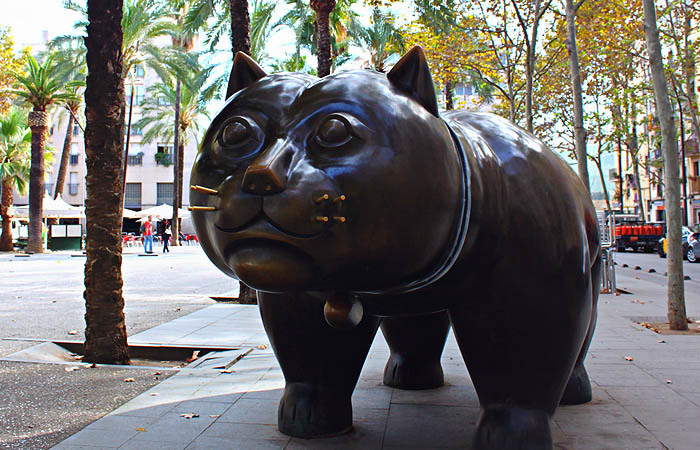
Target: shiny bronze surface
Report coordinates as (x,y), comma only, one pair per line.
(352,193)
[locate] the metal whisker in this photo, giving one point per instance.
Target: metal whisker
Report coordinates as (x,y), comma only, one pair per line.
(205,190)
(321,198)
(340,198)
(321,219)
(201,208)
(340,219)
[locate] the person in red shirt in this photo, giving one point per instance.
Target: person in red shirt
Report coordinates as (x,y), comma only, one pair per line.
(148,235)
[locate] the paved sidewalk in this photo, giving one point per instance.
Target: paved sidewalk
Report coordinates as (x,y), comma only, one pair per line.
(650,402)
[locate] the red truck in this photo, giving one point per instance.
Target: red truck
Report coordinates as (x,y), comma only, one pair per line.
(631,232)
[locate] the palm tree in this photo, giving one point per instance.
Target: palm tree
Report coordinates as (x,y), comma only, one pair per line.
(41,87)
(70,58)
(105,330)
(15,143)
(158,108)
(143,21)
(381,38)
(306,28)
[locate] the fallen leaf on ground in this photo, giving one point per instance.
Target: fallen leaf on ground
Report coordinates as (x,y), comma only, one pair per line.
(78,357)
(669,381)
(72,332)
(262,347)
(72,369)
(93,365)
(129,380)
(155,393)
(177,309)
(214,416)
(227,371)
(140,429)
(156,373)
(189,416)
(661,341)
(629,358)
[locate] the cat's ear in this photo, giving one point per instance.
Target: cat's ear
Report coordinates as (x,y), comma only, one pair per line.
(245,72)
(412,76)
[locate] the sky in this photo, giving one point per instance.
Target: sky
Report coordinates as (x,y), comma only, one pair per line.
(29,19)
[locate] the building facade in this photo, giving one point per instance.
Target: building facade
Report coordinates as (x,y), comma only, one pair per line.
(149,179)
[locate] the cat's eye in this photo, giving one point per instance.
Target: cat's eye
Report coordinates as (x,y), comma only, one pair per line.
(234,133)
(334,131)
(240,137)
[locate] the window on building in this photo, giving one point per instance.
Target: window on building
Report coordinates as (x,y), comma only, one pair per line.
(164,193)
(73,183)
(76,129)
(696,169)
(162,101)
(136,131)
(139,71)
(139,94)
(74,153)
(164,154)
(132,195)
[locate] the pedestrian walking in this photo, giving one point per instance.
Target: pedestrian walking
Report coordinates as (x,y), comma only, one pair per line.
(148,235)
(166,236)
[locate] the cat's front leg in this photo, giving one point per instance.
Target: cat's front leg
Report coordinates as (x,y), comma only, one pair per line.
(321,364)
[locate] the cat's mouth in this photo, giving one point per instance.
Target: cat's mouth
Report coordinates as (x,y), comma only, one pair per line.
(262,219)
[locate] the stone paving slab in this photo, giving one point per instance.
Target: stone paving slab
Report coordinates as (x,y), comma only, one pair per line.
(650,402)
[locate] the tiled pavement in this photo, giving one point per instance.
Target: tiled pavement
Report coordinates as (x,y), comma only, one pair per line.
(652,401)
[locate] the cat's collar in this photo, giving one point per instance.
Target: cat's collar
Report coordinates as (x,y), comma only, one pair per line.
(460,236)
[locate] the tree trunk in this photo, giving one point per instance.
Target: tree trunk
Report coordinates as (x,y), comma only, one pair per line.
(177,221)
(580,133)
(599,166)
(38,121)
(65,156)
(449,104)
(240,27)
(7,200)
(177,169)
(105,331)
(323,8)
(676,298)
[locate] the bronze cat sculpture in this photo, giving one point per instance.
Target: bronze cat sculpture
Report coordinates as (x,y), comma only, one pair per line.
(349,201)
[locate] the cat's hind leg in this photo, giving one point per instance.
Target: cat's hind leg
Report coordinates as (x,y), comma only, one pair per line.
(416,344)
(578,389)
(320,364)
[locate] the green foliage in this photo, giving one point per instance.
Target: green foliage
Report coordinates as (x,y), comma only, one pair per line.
(42,85)
(15,146)
(158,109)
(382,39)
(10,63)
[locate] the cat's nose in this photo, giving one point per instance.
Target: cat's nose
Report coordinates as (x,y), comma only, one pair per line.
(268,173)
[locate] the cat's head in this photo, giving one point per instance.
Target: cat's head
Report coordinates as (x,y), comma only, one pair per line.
(348,182)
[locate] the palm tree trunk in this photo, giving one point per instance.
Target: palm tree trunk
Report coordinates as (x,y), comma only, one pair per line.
(323,8)
(65,156)
(180,177)
(105,331)
(240,27)
(38,121)
(177,169)
(7,200)
(677,319)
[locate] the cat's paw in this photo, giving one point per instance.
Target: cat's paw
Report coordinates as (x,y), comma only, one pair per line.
(313,411)
(412,373)
(578,389)
(504,427)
